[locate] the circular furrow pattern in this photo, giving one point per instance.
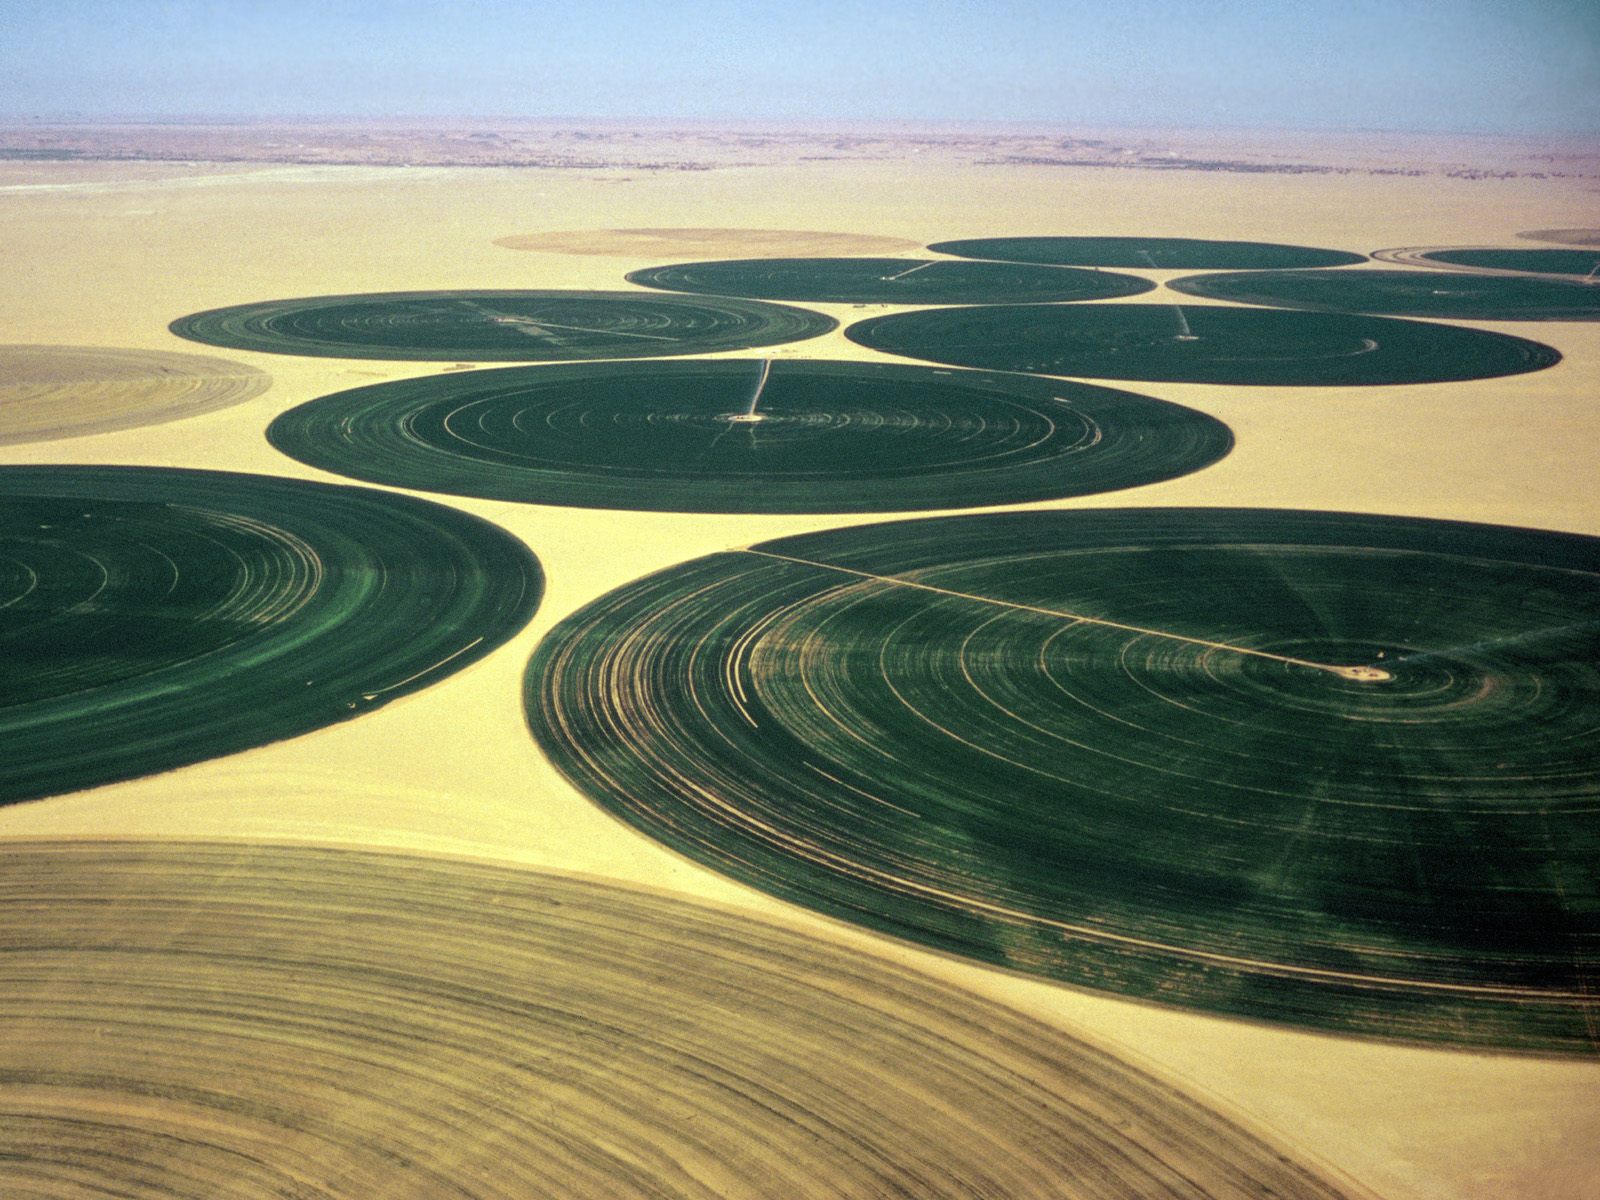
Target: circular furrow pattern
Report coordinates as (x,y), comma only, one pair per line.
(1460,295)
(49,392)
(152,618)
(500,326)
(1326,769)
(1165,254)
(889,281)
(206,1020)
(749,436)
(1196,343)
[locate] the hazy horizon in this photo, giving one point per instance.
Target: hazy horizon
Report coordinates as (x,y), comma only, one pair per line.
(1472,66)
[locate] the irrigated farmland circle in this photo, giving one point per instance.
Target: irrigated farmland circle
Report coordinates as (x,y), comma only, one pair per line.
(1460,295)
(889,281)
(153,618)
(1201,343)
(743,435)
(1166,254)
(501,326)
(1319,768)
(261,1022)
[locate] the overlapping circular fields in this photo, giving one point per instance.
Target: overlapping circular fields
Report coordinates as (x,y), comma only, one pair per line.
(1195,343)
(1146,253)
(152,618)
(1449,294)
(500,326)
(51,392)
(889,281)
(1320,768)
(740,435)
(268,1021)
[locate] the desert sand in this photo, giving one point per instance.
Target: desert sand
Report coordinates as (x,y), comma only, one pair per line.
(105,254)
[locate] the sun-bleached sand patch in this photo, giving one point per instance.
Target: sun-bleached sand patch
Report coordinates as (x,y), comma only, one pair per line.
(714,243)
(49,392)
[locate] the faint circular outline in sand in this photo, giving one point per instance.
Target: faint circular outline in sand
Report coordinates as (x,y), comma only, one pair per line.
(52,392)
(258,1021)
(709,242)
(1564,237)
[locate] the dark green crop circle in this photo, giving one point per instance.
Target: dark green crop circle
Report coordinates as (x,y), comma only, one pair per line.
(1582,263)
(1195,343)
(1165,254)
(1320,768)
(500,326)
(1458,295)
(153,618)
(890,281)
(743,435)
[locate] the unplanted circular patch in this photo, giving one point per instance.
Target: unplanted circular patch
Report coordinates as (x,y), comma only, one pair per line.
(49,392)
(193,1021)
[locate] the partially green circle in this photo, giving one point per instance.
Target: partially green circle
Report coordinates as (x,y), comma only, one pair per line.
(889,281)
(1540,262)
(1163,254)
(500,326)
(743,435)
(1327,769)
(1460,295)
(153,618)
(1194,343)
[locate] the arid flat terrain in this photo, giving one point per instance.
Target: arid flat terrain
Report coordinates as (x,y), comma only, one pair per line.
(110,233)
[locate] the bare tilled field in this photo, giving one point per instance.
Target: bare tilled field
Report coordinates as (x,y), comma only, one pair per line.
(1120,862)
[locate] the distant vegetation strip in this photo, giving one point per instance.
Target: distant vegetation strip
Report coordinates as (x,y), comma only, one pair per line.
(1458,295)
(1317,768)
(151,618)
(750,435)
(267,1021)
(500,326)
(889,281)
(1194,343)
(1146,253)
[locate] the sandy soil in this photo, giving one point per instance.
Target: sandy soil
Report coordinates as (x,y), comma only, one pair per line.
(704,243)
(106,255)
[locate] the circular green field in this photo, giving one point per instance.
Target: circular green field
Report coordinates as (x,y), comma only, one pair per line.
(1539,262)
(1164,254)
(1450,294)
(152,618)
(741,435)
(890,281)
(500,326)
(1318,768)
(1200,344)
(266,1022)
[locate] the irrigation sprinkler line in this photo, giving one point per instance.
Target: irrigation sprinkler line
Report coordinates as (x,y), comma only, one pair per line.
(911,271)
(1366,674)
(761,386)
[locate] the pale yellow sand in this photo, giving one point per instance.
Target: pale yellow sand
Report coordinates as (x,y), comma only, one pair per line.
(704,243)
(453,769)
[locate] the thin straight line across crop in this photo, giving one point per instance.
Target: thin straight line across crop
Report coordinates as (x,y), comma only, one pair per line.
(1344,671)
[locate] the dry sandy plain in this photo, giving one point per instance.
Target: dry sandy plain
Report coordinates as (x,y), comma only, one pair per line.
(104,254)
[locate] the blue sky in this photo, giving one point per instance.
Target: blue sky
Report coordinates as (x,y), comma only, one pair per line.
(1471,65)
